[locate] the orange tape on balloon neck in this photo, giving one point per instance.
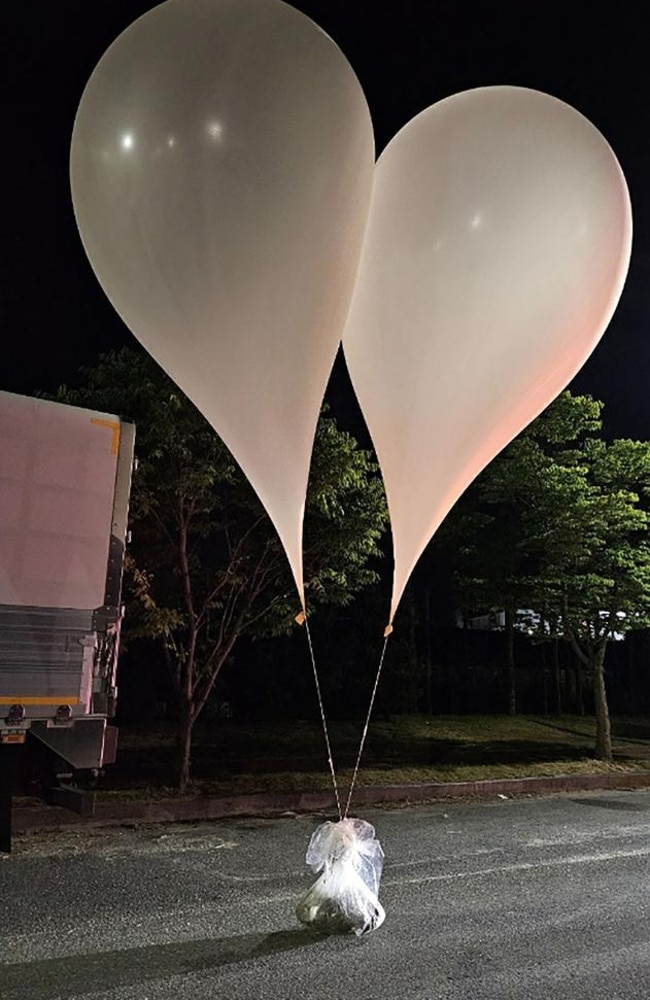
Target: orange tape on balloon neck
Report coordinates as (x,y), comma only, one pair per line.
(387,631)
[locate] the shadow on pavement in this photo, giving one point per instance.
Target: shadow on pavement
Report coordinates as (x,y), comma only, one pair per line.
(75,974)
(618,805)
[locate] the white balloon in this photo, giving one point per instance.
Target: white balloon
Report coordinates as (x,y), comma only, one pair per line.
(221,169)
(496,250)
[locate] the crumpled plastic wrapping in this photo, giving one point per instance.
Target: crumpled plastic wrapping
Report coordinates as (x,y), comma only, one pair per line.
(345,897)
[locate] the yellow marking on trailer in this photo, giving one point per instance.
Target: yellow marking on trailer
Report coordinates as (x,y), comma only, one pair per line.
(112,425)
(21,699)
(12,738)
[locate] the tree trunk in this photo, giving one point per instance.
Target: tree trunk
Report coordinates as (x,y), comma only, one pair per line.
(187,714)
(510,663)
(184,745)
(603,730)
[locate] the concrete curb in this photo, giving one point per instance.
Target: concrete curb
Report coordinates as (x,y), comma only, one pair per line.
(32,819)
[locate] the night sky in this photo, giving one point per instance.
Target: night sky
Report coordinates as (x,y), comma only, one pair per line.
(407,55)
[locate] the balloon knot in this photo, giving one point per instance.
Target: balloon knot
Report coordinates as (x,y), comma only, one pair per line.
(300,618)
(387,631)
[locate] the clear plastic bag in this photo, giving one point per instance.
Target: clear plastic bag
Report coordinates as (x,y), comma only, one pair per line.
(345,897)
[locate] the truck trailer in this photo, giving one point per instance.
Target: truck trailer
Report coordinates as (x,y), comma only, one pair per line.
(65,479)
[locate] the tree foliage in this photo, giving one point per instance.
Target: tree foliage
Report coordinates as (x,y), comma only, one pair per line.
(557,525)
(205,565)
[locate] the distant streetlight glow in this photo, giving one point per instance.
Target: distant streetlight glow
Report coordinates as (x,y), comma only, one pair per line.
(127,140)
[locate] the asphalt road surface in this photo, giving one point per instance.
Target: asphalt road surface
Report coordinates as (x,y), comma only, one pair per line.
(532,899)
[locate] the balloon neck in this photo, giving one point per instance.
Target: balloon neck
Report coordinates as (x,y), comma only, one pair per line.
(301,618)
(388,630)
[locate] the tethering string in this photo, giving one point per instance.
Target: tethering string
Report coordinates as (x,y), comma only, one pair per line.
(324,721)
(365,728)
